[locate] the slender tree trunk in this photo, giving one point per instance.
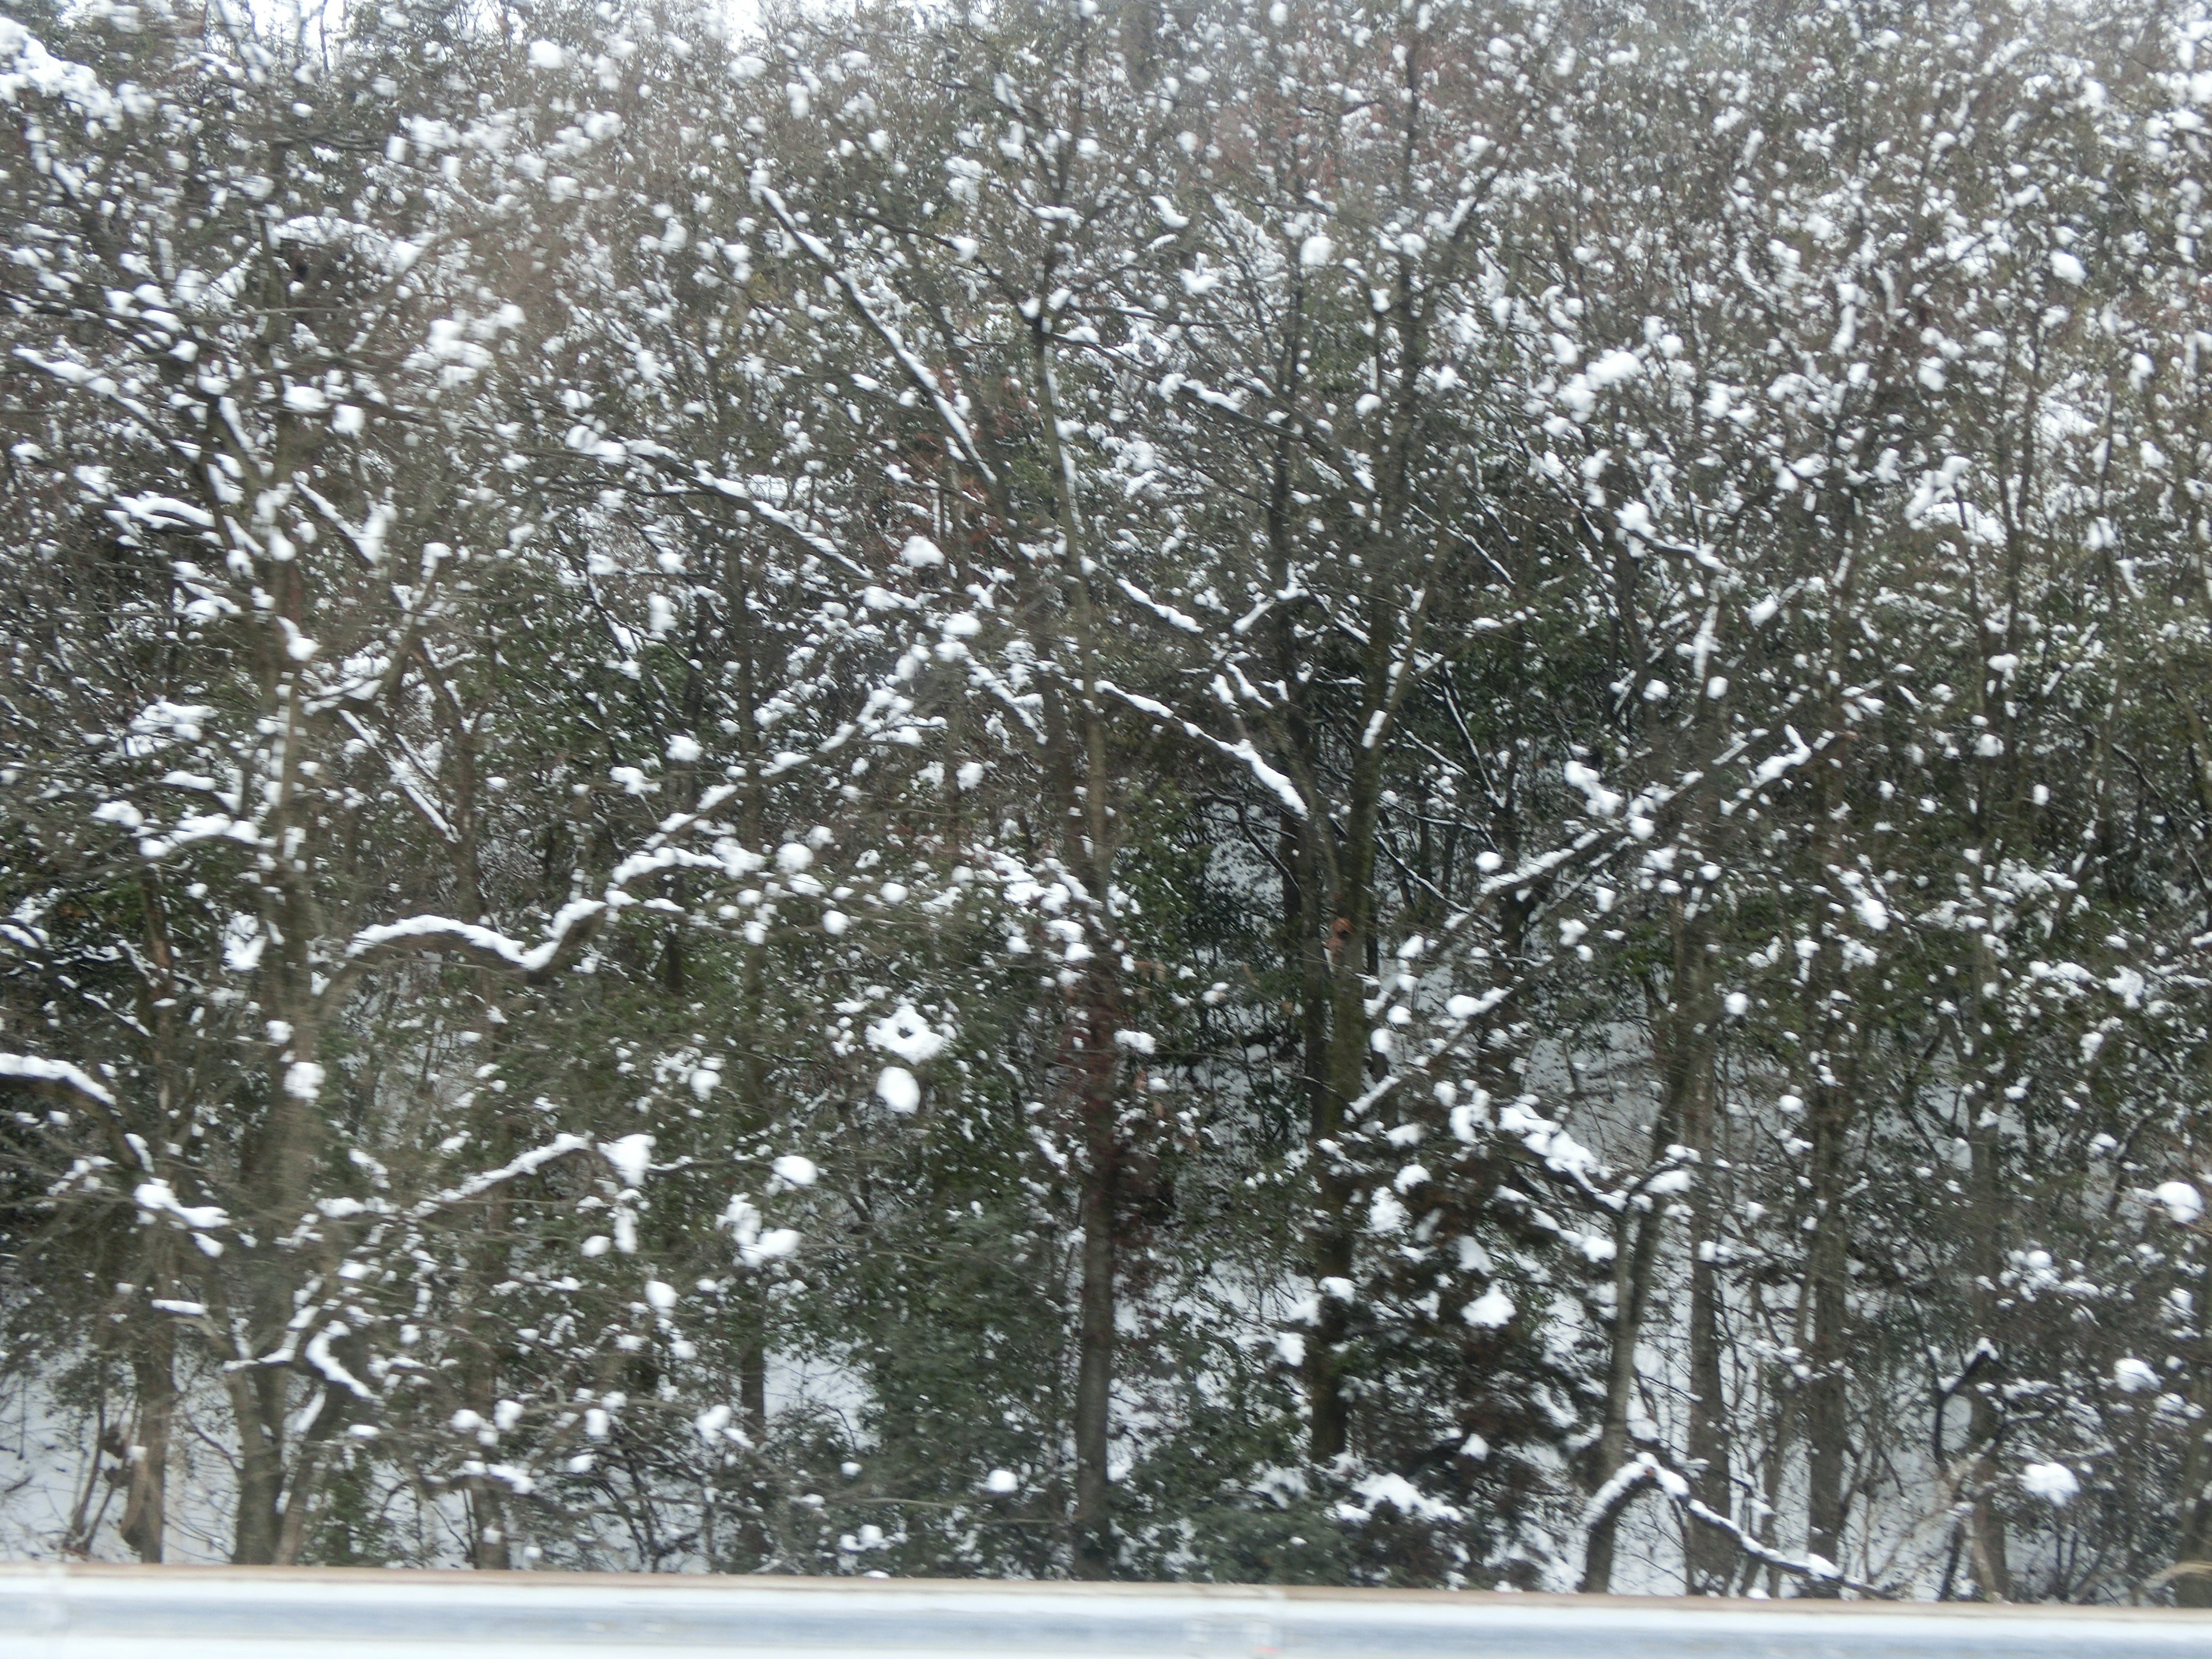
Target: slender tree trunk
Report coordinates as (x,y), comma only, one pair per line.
(2195,1544)
(1827,1403)
(145,1512)
(489,1550)
(1095,1322)
(1985,1413)
(1709,1555)
(1632,1288)
(1331,1236)
(308,1467)
(1330,1239)
(753,1536)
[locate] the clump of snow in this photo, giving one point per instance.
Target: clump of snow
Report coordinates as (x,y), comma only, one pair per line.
(158,1198)
(1490,1310)
(632,1156)
(897,1089)
(905,1033)
(2180,1201)
(1612,368)
(2132,1376)
(2053,1482)
(757,1245)
(1401,1494)
(1385,1214)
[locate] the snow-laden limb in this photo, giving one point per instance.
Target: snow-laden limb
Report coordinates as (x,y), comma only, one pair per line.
(571,925)
(1182,622)
(163,512)
(317,1354)
(104,387)
(1241,751)
(476,1185)
(1806,1566)
(925,381)
(747,500)
(158,1198)
(1645,1469)
(737,861)
(405,773)
(54,1076)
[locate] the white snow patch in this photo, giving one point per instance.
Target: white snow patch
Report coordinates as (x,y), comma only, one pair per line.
(897,1090)
(1492,1309)
(632,1156)
(2132,1376)
(905,1033)
(2181,1201)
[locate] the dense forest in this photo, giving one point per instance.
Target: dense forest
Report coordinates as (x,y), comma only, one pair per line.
(1399,791)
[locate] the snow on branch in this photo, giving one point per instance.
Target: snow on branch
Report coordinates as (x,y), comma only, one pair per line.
(917,371)
(1644,1469)
(1181,622)
(55,1076)
(571,927)
(731,490)
(1281,786)
(526,1163)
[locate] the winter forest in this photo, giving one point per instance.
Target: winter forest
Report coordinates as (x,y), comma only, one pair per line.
(1383,791)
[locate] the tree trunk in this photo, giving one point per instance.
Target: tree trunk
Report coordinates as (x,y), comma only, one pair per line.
(1709,1556)
(256,1400)
(1094,1333)
(1632,1286)
(1330,1238)
(2195,1589)
(145,1511)
(1827,1406)
(1985,1413)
